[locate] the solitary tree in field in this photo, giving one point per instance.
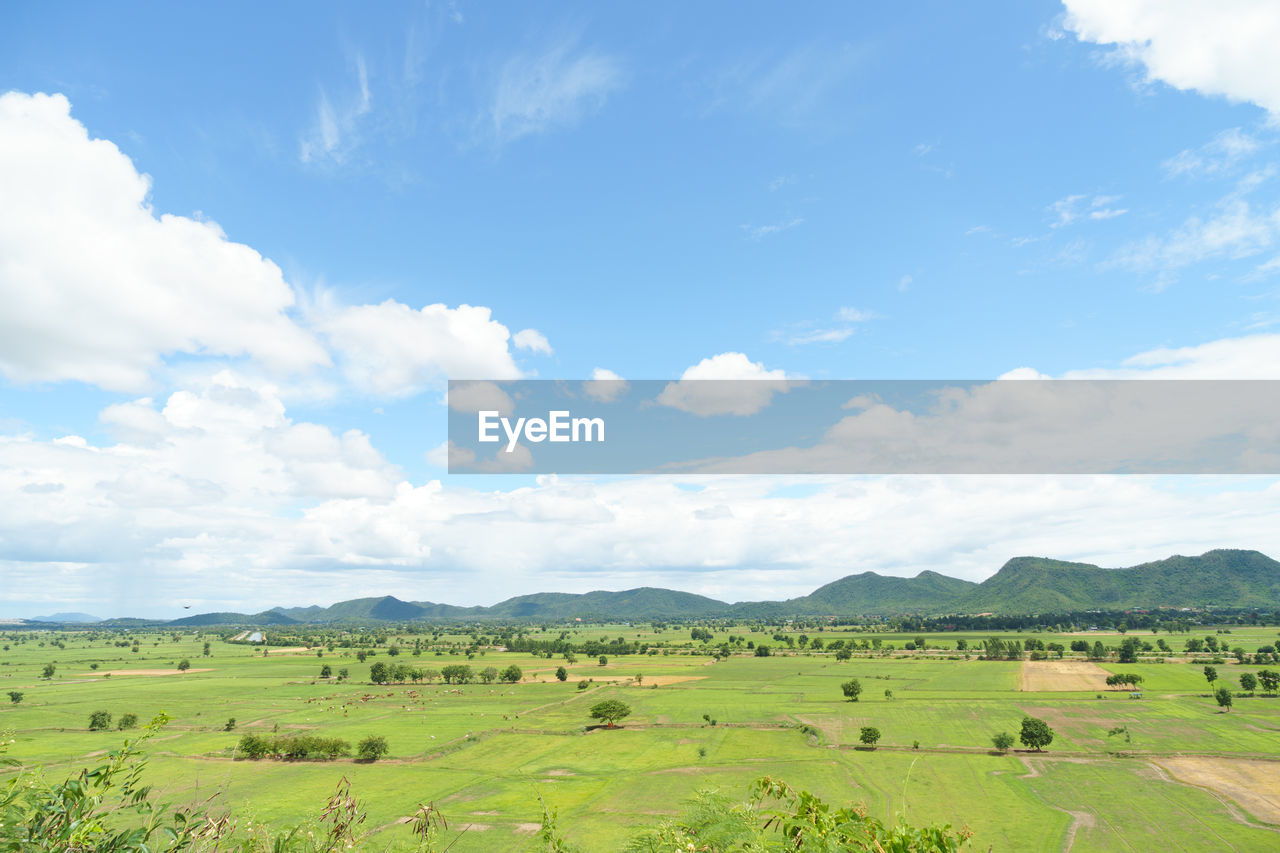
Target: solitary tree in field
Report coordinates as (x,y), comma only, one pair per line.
(372,748)
(1035,733)
(184,665)
(562,674)
(869,735)
(326,671)
(1248,682)
(1210,675)
(15,696)
(48,671)
(99,721)
(610,710)
(1002,741)
(851,689)
(1223,695)
(127,721)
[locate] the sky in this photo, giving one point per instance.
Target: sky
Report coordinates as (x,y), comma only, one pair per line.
(243,249)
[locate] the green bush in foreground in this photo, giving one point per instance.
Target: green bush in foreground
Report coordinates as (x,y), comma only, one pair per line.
(778,818)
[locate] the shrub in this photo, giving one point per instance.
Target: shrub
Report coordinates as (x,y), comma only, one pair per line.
(1002,741)
(99,720)
(372,748)
(127,721)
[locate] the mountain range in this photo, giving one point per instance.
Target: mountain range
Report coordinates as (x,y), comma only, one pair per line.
(1023,585)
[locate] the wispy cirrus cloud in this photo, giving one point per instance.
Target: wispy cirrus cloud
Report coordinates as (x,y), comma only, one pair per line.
(1221,154)
(759,232)
(335,130)
(553,89)
(802,334)
(1074,208)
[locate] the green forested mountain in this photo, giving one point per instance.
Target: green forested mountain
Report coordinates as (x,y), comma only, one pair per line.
(1221,578)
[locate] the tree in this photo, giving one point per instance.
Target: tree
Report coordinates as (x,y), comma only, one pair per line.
(48,671)
(763,651)
(610,710)
(583,684)
(127,721)
(603,660)
(326,671)
(1035,733)
(1223,695)
(372,748)
(207,650)
(843,654)
(99,721)
(869,735)
(380,673)
(230,725)
(184,665)
(562,674)
(15,696)
(1248,682)
(489,674)
(1210,675)
(1002,741)
(1270,680)
(851,689)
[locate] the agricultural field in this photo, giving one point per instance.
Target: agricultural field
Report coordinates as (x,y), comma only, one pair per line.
(1170,770)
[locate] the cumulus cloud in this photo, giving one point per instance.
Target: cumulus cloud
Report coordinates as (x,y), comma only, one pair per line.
(97,288)
(702,392)
(1225,48)
(394,350)
(605,385)
(533,341)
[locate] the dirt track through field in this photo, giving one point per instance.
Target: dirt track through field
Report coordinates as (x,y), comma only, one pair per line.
(1254,785)
(1062,675)
(148,671)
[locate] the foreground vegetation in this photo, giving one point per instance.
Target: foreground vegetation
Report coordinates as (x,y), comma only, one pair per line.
(937,735)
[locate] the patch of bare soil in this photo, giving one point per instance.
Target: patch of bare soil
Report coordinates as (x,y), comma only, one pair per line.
(1254,785)
(1062,675)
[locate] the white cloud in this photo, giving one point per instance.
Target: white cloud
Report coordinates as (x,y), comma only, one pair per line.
(759,232)
(904,283)
(605,385)
(857,315)
(551,90)
(335,130)
(391,349)
(820,336)
(1224,48)
(1220,154)
(1236,229)
(700,392)
(97,288)
(1249,357)
(1075,207)
(532,340)
(479,396)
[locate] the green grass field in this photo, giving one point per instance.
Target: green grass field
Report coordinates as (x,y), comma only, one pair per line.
(484,753)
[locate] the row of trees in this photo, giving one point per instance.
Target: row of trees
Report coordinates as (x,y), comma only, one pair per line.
(308,747)
(388,673)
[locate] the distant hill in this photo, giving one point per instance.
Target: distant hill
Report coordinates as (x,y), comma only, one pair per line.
(643,603)
(66,618)
(1221,578)
(1023,585)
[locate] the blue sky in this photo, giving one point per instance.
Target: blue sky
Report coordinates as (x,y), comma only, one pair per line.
(857,191)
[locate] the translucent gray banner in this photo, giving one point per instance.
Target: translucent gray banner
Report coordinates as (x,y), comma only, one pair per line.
(864,427)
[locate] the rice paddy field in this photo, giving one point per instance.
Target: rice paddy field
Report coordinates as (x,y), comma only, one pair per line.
(1180,774)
